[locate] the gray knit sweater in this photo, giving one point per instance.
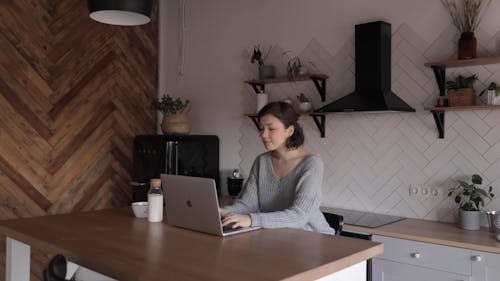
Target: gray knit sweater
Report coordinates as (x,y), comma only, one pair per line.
(290,202)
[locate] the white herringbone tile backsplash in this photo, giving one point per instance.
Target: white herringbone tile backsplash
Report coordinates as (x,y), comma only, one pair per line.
(371,160)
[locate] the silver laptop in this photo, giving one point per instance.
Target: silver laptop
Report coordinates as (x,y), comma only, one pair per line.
(191,202)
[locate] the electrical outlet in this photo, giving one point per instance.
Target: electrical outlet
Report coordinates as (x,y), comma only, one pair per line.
(424,191)
(413,190)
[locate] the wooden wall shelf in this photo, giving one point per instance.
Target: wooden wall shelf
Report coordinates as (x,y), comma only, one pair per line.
(439,68)
(468,62)
(318,79)
(319,120)
(438,113)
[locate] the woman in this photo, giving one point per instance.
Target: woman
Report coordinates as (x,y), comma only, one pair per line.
(284,185)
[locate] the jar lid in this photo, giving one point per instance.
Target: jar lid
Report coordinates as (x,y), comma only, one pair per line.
(155,182)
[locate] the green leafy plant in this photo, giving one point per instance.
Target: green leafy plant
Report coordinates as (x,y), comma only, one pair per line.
(169,106)
(293,68)
(469,196)
(466,14)
(302,98)
(461,82)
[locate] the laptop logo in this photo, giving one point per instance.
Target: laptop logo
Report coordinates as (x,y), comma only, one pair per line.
(189,203)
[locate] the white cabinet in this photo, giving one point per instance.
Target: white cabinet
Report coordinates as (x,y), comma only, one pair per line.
(485,266)
(385,270)
(406,260)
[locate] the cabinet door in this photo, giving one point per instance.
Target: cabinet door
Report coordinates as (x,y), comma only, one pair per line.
(485,266)
(421,254)
(384,270)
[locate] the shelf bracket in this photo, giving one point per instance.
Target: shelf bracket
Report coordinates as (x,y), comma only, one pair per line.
(320,84)
(439,119)
(257,87)
(255,121)
(440,74)
(320,123)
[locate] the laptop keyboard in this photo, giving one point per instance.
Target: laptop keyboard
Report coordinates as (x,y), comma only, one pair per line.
(229,228)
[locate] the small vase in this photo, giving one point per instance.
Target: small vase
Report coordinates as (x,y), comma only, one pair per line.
(305,107)
(467,45)
(469,220)
(267,71)
(176,124)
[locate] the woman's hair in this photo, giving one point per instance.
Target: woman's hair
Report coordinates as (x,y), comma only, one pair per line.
(289,117)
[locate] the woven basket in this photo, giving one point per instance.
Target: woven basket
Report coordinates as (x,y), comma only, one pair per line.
(176,124)
(457,97)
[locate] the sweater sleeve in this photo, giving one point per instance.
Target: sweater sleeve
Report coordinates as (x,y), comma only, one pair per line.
(247,201)
(307,200)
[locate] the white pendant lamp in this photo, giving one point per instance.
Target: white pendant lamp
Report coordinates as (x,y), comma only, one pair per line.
(120,12)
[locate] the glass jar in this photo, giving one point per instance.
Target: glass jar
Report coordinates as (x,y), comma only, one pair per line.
(155,201)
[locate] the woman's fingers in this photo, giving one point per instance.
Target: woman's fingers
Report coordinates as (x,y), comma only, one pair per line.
(236,220)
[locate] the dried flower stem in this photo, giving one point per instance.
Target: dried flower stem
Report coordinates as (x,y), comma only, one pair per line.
(467,17)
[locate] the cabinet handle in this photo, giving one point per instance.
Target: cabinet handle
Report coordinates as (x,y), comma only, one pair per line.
(415,255)
(477,258)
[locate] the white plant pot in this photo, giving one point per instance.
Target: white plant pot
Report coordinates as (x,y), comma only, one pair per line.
(469,219)
(494,98)
(305,107)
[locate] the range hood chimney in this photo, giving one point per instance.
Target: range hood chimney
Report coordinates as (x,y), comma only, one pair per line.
(373,73)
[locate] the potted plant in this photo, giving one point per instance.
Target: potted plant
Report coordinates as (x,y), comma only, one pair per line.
(466,16)
(294,68)
(175,119)
(304,103)
(493,92)
(470,198)
(265,70)
(461,90)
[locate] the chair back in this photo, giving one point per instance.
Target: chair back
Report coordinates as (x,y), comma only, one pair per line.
(56,270)
(335,221)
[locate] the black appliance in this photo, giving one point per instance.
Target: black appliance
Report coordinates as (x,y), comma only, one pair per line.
(337,216)
(365,219)
(190,155)
(373,73)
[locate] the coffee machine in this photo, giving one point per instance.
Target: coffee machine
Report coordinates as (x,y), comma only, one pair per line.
(190,155)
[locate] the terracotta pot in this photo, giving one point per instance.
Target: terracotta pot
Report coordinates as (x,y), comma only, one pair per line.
(176,124)
(458,97)
(467,45)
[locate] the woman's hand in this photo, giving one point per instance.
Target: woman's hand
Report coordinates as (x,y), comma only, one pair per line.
(236,220)
(223,212)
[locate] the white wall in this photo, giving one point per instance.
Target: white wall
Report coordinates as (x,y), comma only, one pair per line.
(220,34)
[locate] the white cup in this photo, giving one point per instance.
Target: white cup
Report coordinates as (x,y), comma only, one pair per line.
(140,209)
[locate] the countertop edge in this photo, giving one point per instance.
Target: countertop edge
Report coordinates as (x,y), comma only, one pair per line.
(391,230)
(337,265)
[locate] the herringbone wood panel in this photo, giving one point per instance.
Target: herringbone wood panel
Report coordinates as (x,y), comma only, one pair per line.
(73,93)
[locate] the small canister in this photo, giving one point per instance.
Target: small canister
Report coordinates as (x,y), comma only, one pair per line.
(234,183)
(493,221)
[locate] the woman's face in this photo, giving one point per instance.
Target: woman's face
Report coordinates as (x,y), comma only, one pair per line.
(273,132)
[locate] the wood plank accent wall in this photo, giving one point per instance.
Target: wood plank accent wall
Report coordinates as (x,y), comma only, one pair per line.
(73,93)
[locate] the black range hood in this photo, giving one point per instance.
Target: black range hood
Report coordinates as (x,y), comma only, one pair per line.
(373,73)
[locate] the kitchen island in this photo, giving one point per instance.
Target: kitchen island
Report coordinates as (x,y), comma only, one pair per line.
(115,243)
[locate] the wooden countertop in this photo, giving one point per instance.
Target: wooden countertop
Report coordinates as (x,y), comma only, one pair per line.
(435,232)
(121,246)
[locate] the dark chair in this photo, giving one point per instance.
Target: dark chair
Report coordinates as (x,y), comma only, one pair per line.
(56,270)
(335,221)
